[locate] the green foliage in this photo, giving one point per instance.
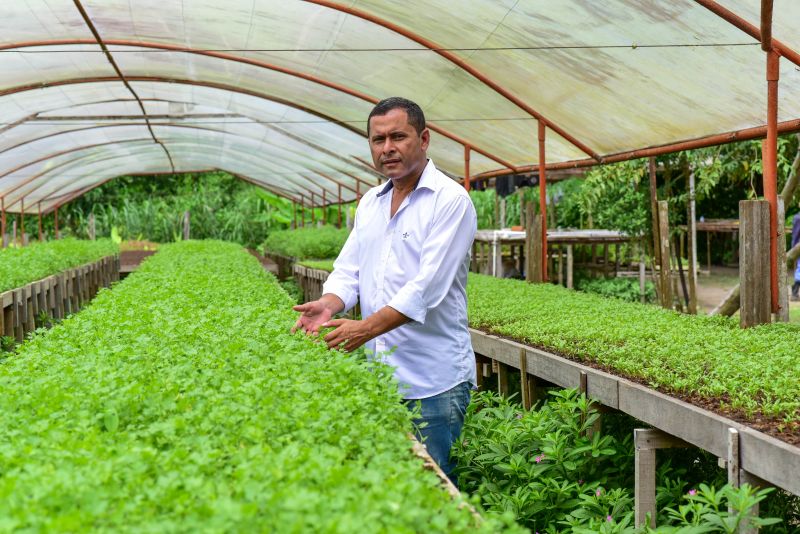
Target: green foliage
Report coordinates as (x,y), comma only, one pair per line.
(22,265)
(542,467)
(307,243)
(180,402)
(322,265)
(626,289)
(220,205)
(677,353)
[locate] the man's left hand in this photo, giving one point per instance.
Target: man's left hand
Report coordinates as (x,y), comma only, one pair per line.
(349,333)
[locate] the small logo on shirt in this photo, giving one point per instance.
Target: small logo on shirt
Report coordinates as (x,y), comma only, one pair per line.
(405,235)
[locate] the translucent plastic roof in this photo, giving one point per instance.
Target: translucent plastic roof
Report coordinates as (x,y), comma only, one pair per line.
(278,92)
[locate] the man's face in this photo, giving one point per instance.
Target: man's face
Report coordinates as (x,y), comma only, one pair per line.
(398,151)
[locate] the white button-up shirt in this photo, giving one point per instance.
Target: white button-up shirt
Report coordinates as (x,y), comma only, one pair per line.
(415,262)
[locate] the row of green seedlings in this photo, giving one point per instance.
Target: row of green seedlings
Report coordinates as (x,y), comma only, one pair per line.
(20,266)
(307,243)
(748,373)
(180,401)
(556,471)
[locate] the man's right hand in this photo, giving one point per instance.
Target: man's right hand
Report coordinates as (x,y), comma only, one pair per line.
(316,313)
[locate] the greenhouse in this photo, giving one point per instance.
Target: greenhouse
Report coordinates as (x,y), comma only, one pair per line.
(177,176)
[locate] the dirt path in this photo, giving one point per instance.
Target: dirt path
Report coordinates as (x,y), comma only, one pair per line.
(712,290)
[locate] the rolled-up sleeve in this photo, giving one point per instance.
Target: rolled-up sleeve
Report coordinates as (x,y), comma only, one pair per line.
(445,249)
(343,281)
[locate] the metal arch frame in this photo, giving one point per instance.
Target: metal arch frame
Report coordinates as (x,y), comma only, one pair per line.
(256,63)
(222,133)
(88,21)
(289,174)
(165,125)
(282,131)
(213,85)
(463,65)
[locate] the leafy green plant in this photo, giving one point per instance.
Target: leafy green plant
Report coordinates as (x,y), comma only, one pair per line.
(22,265)
(179,402)
(626,289)
(307,243)
(545,468)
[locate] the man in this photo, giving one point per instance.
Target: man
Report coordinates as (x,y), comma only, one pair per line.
(795,241)
(406,261)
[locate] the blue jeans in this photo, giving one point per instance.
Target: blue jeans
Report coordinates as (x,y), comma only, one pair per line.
(444,418)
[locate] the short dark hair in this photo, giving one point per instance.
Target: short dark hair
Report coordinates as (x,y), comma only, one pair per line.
(415,116)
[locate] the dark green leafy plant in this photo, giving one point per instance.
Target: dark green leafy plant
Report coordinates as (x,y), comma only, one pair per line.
(626,289)
(544,467)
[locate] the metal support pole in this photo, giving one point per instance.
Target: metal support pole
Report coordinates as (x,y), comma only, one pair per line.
(39,207)
(543,197)
(339,219)
(302,210)
(324,208)
(3,221)
(22,221)
(770,161)
(467,184)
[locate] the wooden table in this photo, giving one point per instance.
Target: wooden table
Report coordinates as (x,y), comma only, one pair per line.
(495,239)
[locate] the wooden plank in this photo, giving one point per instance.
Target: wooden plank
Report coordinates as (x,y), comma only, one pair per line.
(754,278)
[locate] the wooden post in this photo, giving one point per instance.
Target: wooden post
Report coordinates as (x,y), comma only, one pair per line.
(646,441)
(14,231)
(533,248)
(58,234)
(665,279)
(294,214)
(570,261)
(642,278)
(324,207)
(783,292)
(502,379)
(525,384)
(502,213)
(313,215)
(754,268)
(92,234)
(654,209)
(770,174)
(339,207)
(186,226)
(692,237)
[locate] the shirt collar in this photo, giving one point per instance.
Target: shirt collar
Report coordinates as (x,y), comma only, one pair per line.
(426,180)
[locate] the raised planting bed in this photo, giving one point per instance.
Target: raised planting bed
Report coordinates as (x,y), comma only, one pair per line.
(40,303)
(285,247)
(22,265)
(692,377)
(181,402)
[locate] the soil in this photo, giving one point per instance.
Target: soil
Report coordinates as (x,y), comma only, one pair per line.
(267,263)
